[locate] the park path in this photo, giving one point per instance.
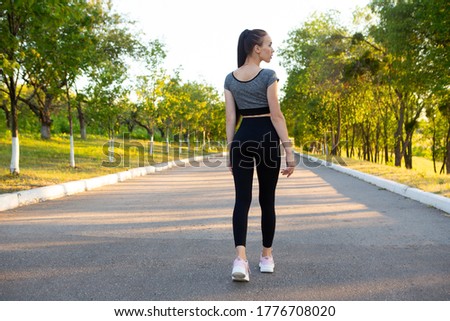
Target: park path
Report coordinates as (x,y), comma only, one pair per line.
(167,236)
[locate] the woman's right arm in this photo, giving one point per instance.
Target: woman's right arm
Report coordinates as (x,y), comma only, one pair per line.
(230,108)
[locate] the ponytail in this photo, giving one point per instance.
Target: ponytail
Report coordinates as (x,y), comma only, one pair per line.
(247,41)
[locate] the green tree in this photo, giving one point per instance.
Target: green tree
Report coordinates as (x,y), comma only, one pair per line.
(145,113)
(48,46)
(169,108)
(205,111)
(107,97)
(20,22)
(149,91)
(314,56)
(414,34)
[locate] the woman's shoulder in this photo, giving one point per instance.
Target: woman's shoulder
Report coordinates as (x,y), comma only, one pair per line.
(268,72)
(229,76)
(228,80)
(269,76)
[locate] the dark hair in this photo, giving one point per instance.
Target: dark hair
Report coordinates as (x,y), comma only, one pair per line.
(247,41)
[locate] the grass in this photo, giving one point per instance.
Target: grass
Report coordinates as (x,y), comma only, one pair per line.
(44,163)
(422,176)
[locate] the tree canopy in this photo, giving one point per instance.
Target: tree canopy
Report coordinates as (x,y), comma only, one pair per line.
(55,54)
(369,91)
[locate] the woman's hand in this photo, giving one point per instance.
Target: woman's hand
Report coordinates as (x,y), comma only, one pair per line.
(229,166)
(290,163)
(288,171)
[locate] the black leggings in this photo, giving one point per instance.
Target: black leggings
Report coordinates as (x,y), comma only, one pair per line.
(256,143)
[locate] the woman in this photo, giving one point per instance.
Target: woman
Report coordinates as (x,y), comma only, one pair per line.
(252,93)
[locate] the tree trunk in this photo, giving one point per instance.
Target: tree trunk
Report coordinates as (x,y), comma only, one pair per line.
(347,147)
(15,155)
(386,135)
(167,142)
(352,150)
(43,113)
(111,150)
(180,140)
(83,132)
(45,130)
(150,132)
(45,117)
(112,144)
(366,137)
(72,152)
(150,151)
(336,138)
(447,156)
(377,142)
(407,146)
(188,140)
(408,156)
(82,121)
(10,82)
(398,136)
(433,147)
(386,153)
(7,114)
(72,147)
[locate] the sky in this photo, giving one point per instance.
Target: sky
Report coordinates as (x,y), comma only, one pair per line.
(201,36)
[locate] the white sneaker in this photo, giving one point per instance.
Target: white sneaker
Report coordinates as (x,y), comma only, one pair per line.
(241,271)
(266,264)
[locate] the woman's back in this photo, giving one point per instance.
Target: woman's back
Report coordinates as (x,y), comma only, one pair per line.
(249,89)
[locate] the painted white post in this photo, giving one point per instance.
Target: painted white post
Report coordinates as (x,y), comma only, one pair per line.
(151,145)
(14,167)
(111,150)
(72,152)
(167,143)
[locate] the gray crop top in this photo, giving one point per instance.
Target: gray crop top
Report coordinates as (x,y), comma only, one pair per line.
(251,96)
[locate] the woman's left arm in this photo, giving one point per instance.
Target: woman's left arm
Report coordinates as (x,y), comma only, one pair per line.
(279,122)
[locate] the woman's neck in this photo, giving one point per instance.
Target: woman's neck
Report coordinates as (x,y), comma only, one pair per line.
(252,61)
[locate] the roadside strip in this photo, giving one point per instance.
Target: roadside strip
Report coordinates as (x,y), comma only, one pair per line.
(437,201)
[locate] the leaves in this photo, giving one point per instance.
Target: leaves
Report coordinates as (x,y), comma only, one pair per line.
(373,84)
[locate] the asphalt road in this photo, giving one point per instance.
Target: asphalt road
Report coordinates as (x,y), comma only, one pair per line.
(167,236)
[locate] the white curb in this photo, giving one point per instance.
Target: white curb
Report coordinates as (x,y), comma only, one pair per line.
(13,200)
(427,198)
(8,201)
(40,194)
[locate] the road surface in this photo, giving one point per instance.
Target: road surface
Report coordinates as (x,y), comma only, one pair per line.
(168,236)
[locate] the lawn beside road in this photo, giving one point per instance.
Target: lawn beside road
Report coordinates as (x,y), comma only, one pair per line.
(422,176)
(46,162)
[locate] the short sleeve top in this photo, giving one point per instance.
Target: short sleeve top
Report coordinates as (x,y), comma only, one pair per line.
(251,96)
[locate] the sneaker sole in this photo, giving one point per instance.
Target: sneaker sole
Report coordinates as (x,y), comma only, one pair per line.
(240,277)
(266,269)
